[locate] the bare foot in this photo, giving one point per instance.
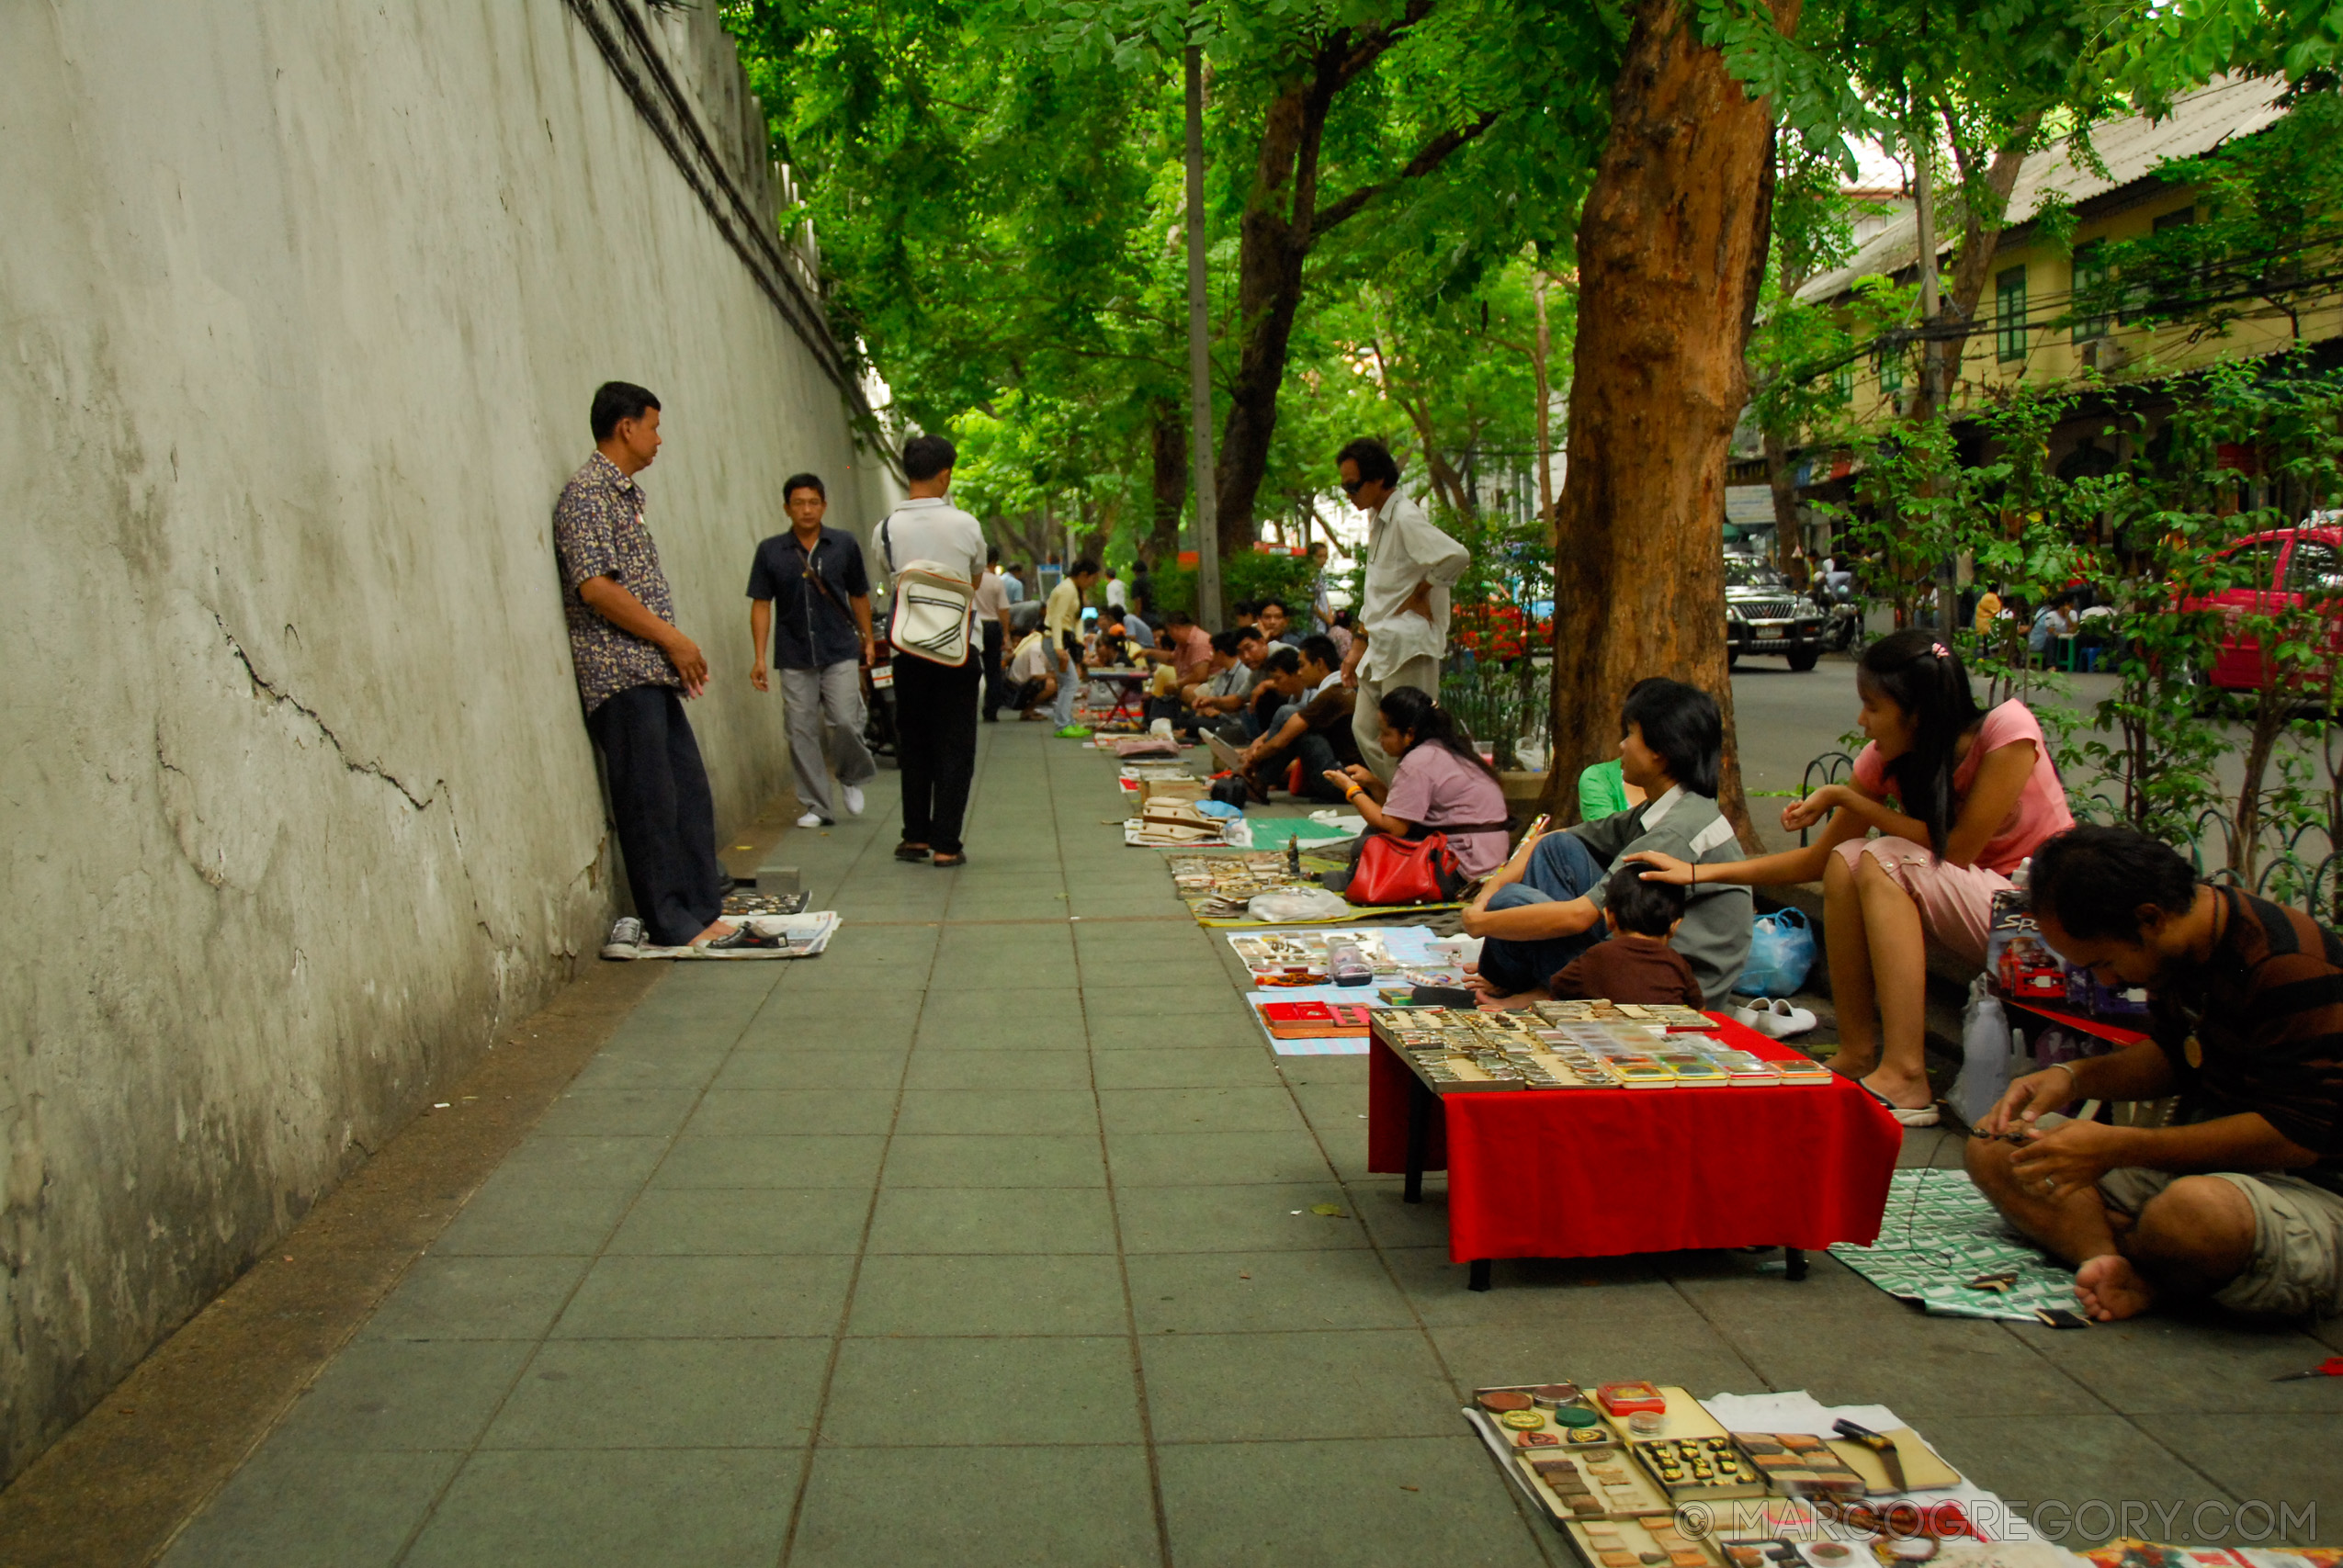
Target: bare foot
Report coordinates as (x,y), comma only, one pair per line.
(718,929)
(1850,1066)
(1906,1093)
(2110,1288)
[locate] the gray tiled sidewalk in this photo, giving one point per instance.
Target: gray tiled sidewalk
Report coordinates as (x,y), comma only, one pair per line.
(976,1241)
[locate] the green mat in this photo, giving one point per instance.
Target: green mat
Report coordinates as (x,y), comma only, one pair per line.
(1939,1233)
(1272,832)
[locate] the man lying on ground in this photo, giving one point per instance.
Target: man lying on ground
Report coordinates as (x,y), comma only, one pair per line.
(2242,1198)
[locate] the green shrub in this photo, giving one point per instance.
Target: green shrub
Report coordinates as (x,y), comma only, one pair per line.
(1255,575)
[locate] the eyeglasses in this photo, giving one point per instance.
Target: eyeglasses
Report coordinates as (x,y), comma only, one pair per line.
(1353,487)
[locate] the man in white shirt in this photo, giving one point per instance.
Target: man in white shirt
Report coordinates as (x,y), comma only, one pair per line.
(935,704)
(992,620)
(1032,677)
(1403,611)
(1061,623)
(1118,595)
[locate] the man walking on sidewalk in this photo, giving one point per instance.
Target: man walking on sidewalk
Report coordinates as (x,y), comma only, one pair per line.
(1403,610)
(935,704)
(992,620)
(633,669)
(820,642)
(1061,624)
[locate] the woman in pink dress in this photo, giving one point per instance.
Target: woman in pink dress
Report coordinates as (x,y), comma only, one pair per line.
(1958,798)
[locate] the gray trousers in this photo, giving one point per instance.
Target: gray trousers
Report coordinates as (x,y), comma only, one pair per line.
(809,697)
(1422,673)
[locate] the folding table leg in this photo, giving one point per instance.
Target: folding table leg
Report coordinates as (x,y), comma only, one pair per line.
(1793,1262)
(1479,1280)
(1421,1103)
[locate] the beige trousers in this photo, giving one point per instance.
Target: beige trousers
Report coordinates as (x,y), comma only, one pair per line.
(1422,673)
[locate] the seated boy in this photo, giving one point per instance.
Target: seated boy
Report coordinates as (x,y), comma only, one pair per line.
(1636,964)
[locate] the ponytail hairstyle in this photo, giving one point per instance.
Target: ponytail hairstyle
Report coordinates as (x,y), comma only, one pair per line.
(1922,676)
(1415,713)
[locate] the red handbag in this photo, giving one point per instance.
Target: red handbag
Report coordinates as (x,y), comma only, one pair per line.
(1392,870)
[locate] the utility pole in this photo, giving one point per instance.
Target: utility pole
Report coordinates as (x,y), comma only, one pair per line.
(1200,359)
(1933,378)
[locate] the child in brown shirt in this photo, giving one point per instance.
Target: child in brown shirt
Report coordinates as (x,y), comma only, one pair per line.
(1635,964)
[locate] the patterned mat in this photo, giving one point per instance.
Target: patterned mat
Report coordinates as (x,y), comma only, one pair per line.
(1938,1235)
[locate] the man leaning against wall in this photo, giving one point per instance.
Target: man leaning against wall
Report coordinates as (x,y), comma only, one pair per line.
(633,669)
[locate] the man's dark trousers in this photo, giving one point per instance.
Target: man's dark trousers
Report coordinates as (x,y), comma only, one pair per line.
(665,816)
(996,683)
(936,737)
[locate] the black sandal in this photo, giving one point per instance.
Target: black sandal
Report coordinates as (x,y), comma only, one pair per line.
(911,851)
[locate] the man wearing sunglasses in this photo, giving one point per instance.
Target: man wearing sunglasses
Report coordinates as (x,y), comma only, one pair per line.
(1403,611)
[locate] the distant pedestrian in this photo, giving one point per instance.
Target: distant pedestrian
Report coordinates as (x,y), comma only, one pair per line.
(1142,590)
(935,704)
(1322,600)
(1061,623)
(1403,611)
(1013,581)
(1116,592)
(820,642)
(992,620)
(633,669)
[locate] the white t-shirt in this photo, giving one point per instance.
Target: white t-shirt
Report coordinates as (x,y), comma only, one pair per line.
(992,597)
(1114,594)
(1031,661)
(933,529)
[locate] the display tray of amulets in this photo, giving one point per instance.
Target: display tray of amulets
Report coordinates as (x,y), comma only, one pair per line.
(1583,1045)
(1622,1468)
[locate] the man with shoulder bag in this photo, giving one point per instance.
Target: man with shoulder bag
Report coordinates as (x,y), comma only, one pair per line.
(935,556)
(810,605)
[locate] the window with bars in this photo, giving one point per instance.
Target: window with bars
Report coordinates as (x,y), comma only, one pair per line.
(2090,275)
(2009,314)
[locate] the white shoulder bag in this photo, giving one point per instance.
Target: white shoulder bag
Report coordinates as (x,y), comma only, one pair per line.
(930,619)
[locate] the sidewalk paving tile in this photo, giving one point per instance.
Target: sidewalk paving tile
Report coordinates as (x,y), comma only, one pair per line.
(990,1236)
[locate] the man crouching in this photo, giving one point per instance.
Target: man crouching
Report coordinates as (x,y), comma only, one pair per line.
(2241,1198)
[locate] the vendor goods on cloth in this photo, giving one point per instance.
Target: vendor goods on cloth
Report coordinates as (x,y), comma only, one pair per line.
(2125,1552)
(1321,827)
(1163,823)
(1775,1159)
(761,936)
(1290,965)
(748,901)
(1130,747)
(1219,889)
(1941,1245)
(1644,1475)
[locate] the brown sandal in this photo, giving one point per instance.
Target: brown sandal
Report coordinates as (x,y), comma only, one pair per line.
(946,861)
(910,852)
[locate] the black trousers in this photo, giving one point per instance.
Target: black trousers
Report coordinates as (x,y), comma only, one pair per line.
(665,815)
(996,684)
(935,736)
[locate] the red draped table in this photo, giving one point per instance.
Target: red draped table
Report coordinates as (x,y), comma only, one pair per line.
(1598,1172)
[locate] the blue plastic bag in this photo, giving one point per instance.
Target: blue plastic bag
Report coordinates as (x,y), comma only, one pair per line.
(1780,953)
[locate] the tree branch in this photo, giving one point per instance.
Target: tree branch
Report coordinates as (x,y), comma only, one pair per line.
(1430,156)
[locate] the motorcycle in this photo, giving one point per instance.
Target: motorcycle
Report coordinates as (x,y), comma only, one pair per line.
(1843,629)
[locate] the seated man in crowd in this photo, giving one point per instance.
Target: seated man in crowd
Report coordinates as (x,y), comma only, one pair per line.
(1220,699)
(1033,675)
(2241,1200)
(1316,730)
(1277,627)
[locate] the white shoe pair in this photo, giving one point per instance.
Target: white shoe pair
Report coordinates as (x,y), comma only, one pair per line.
(854,794)
(1776,1019)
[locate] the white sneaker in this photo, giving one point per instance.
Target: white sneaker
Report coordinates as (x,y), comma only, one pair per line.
(811,820)
(854,794)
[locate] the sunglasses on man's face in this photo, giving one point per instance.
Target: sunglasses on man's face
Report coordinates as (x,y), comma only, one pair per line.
(1353,487)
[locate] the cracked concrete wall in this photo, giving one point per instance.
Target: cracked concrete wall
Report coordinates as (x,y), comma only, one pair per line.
(303,307)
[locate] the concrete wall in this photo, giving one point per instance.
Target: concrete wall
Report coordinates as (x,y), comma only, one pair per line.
(303,306)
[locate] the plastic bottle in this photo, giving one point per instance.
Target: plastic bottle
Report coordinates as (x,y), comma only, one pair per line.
(1985,1054)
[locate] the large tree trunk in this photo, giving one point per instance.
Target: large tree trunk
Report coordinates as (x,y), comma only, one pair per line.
(1168,432)
(1671,250)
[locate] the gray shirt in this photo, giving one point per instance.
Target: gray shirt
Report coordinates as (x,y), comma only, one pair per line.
(1715,937)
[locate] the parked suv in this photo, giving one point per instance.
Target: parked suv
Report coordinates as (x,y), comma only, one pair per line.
(1763,616)
(2289,565)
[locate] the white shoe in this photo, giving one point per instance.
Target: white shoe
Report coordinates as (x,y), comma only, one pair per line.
(811,820)
(854,794)
(1788,1020)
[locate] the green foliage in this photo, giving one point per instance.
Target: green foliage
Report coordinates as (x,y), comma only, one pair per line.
(1252,575)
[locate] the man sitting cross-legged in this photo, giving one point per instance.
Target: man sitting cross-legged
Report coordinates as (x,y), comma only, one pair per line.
(2242,1199)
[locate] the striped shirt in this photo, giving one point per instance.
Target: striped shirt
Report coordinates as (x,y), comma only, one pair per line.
(2267,1014)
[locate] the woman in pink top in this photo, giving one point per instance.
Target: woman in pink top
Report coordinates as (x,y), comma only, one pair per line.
(1440,785)
(1959,797)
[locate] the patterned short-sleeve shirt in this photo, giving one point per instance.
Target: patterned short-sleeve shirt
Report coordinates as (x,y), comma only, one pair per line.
(598,531)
